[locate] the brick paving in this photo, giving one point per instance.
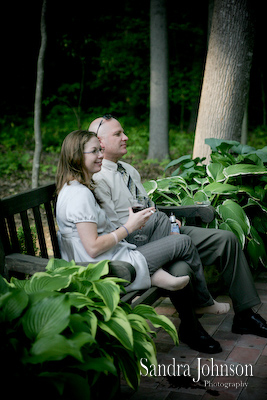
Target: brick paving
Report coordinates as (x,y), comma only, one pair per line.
(242,355)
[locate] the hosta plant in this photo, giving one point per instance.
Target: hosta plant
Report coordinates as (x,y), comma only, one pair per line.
(66,334)
(234,183)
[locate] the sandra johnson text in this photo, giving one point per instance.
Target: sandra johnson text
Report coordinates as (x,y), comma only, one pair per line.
(203,369)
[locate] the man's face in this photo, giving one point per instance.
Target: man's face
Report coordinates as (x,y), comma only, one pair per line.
(113,140)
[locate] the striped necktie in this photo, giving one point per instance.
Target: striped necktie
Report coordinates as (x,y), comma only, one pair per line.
(131,185)
(128,181)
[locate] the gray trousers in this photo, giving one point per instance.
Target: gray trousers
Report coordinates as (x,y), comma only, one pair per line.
(185,254)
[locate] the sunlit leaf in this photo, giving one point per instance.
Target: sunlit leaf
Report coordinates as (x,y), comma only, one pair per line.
(231,210)
(244,169)
(119,327)
(214,170)
(220,188)
(233,226)
(150,186)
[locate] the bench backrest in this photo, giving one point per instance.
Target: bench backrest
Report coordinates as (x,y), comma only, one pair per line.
(19,209)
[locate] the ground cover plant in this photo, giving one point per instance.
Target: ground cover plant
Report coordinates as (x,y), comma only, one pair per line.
(234,183)
(66,334)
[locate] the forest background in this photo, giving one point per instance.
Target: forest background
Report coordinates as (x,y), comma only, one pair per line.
(97,61)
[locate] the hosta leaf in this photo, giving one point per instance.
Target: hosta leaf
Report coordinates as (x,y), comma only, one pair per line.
(138,323)
(233,226)
(43,281)
(231,210)
(150,186)
(253,202)
(144,348)
(182,159)
(214,170)
(128,366)
(99,364)
(49,316)
(220,188)
(119,327)
(79,300)
(200,197)
(109,292)
(12,304)
(159,321)
(165,183)
(93,272)
(256,248)
(57,347)
(201,181)
(244,169)
(55,263)
(84,322)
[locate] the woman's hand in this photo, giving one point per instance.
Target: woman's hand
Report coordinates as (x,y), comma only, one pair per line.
(138,220)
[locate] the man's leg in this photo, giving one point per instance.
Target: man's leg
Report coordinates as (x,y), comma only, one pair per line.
(191,331)
(219,247)
(157,227)
(164,252)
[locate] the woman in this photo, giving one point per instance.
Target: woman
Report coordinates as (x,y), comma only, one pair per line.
(86,234)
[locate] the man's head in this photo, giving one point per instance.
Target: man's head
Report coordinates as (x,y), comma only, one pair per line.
(111,136)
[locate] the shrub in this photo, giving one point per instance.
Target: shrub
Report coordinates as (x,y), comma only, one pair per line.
(66,334)
(234,183)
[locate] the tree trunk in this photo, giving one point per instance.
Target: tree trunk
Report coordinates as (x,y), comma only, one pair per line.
(38,102)
(244,130)
(159,106)
(227,71)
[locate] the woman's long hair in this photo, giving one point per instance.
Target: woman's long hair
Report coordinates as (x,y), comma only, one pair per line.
(71,160)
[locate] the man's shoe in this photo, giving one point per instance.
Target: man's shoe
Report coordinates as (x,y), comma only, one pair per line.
(122,269)
(199,340)
(252,324)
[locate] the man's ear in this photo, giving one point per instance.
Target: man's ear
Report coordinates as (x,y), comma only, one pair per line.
(101,141)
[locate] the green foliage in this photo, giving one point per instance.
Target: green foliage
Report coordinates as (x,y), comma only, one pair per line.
(67,334)
(21,239)
(234,182)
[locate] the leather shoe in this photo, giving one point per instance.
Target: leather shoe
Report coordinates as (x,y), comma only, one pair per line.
(252,324)
(198,339)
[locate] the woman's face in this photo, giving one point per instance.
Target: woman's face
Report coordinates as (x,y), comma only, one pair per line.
(93,156)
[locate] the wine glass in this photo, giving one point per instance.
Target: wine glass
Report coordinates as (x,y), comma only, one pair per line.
(139,203)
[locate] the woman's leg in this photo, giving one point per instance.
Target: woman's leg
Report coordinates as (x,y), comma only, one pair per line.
(164,280)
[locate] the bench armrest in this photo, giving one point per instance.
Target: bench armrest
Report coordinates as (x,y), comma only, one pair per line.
(24,263)
(203,212)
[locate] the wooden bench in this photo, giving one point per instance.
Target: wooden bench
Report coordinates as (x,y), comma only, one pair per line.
(35,208)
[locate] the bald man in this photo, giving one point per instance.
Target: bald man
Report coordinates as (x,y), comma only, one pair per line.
(214,246)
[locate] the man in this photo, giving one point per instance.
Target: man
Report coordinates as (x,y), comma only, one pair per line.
(213,245)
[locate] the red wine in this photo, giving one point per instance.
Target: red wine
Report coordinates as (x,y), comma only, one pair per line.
(137,208)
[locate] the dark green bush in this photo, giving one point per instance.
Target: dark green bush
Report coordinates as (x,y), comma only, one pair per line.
(234,182)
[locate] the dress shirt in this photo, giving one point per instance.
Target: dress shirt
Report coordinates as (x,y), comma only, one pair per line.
(114,193)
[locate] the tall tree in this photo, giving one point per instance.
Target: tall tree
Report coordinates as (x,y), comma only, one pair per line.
(227,72)
(159,107)
(38,102)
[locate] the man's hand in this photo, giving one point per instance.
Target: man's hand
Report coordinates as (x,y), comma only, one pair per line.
(138,220)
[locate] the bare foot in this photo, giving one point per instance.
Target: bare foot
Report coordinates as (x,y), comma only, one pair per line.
(216,308)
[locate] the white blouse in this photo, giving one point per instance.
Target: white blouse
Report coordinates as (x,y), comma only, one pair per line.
(76,203)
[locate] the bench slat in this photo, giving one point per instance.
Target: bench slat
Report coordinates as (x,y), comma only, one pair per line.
(40,231)
(52,230)
(27,233)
